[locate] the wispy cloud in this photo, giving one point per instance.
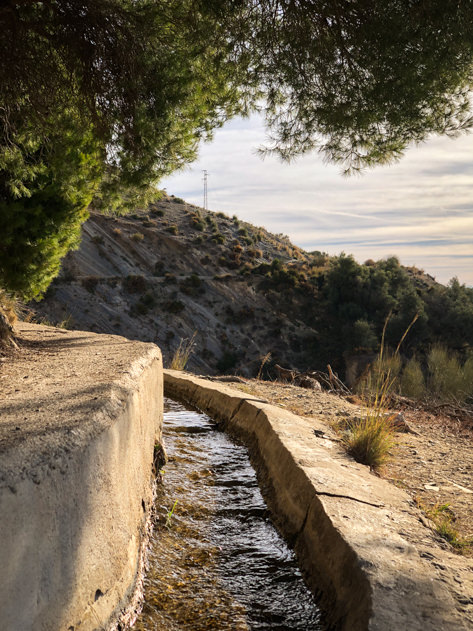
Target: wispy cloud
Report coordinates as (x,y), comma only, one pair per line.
(420,209)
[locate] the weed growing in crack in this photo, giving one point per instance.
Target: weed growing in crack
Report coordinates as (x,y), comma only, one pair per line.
(168,522)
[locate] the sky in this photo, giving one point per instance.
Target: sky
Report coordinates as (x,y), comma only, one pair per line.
(420,209)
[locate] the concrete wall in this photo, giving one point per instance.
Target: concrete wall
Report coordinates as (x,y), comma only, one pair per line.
(73,519)
(353,532)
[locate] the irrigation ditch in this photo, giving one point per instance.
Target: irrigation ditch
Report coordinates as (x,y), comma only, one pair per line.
(351,532)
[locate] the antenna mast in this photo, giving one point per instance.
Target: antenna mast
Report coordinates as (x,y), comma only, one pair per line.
(206,199)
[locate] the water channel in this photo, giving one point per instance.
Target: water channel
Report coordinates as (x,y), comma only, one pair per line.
(217,562)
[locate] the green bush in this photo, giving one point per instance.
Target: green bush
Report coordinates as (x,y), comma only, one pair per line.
(45,190)
(174,306)
(137,236)
(134,284)
(159,268)
(227,362)
(445,378)
(198,224)
(90,283)
(192,286)
(412,380)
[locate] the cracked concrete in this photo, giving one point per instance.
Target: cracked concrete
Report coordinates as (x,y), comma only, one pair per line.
(359,540)
(349,497)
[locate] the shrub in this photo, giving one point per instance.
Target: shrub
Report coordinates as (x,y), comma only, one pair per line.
(148,299)
(198,224)
(445,380)
(443,518)
(97,239)
(386,368)
(158,212)
(117,232)
(218,238)
(174,306)
(363,336)
(134,284)
(137,236)
(158,268)
(412,380)
(227,361)
(191,285)
(89,283)
(370,439)
(172,229)
(178,200)
(169,278)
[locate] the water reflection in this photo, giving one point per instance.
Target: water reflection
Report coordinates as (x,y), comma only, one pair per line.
(219,564)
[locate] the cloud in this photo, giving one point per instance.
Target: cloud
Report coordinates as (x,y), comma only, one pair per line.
(419,209)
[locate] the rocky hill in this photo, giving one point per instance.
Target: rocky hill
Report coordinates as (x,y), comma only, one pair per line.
(174,270)
(163,274)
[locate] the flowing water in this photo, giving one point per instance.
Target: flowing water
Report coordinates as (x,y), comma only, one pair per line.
(217,563)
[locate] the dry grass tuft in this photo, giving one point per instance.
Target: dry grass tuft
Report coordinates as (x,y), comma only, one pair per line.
(183,353)
(370,439)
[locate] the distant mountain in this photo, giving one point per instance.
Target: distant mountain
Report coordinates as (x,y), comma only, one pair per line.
(162,274)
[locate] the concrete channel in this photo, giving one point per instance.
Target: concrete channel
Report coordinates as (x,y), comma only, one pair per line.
(80,415)
(352,531)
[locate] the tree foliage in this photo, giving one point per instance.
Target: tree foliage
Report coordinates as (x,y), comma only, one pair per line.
(362,79)
(147,76)
(41,213)
(98,100)
(147,80)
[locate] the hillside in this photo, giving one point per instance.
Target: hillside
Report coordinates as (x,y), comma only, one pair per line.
(162,274)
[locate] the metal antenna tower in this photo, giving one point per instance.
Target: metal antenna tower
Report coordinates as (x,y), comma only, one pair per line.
(206,199)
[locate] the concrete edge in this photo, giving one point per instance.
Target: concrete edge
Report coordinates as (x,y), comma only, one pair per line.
(345,524)
(74,535)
